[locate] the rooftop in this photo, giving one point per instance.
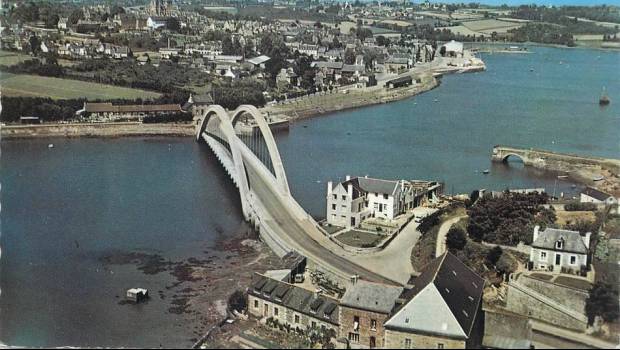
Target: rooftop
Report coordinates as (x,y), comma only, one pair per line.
(371,296)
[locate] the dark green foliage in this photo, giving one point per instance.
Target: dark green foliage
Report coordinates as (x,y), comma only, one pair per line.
(603,301)
(456,238)
(508,219)
(543,33)
(506,264)
(246,91)
(493,255)
(49,68)
(237,301)
(580,207)
(274,47)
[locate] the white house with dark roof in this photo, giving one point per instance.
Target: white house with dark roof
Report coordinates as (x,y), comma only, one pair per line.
(559,250)
(356,199)
(592,195)
(442,309)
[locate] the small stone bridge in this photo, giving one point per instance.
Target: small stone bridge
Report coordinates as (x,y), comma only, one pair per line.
(551,160)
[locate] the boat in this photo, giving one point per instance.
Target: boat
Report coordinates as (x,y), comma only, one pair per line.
(51,145)
(604,100)
(562,176)
(598,178)
(486,171)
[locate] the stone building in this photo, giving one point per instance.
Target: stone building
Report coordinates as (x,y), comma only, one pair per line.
(109,112)
(363,309)
(291,305)
(559,250)
(198,104)
(442,309)
(592,195)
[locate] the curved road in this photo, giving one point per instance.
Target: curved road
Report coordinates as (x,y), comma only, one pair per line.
(302,235)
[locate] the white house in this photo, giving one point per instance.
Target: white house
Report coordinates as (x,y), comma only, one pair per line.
(559,250)
(592,195)
(453,49)
(359,198)
(154,22)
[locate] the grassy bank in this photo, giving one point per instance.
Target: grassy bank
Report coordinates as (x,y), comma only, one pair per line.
(58,88)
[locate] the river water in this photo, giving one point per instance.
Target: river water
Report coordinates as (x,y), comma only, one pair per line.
(66,208)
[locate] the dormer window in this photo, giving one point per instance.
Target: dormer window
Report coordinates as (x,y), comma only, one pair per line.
(559,244)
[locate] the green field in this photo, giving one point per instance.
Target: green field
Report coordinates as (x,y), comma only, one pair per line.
(57,88)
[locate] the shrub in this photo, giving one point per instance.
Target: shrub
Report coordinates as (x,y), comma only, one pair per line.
(493,255)
(603,301)
(580,207)
(456,238)
(237,301)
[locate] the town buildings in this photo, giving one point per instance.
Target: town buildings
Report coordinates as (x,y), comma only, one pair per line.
(356,199)
(363,310)
(291,305)
(108,112)
(559,250)
(443,309)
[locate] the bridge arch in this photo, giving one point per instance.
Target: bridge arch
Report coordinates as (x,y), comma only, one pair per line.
(216,113)
(505,157)
(272,147)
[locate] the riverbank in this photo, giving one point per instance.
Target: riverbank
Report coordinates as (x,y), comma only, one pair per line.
(121,129)
(428,78)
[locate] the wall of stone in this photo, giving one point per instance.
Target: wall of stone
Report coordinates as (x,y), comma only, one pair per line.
(396,340)
(522,303)
(346,321)
(574,299)
(256,307)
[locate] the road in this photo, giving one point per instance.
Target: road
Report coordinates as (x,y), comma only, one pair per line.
(302,235)
(443,231)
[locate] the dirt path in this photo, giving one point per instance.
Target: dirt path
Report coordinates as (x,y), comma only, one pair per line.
(443,231)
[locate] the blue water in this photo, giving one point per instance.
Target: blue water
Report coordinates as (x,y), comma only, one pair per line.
(554,107)
(65,208)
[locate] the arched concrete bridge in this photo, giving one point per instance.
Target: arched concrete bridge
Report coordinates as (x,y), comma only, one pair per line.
(254,164)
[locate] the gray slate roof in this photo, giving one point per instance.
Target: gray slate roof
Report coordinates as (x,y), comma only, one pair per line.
(572,240)
(596,194)
(295,298)
(371,296)
(377,185)
(454,287)
(504,331)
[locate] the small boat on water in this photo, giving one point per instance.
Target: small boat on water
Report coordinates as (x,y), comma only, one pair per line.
(51,145)
(562,176)
(486,171)
(604,100)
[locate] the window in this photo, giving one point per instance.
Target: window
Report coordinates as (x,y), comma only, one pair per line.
(373,325)
(333,206)
(335,196)
(313,324)
(543,255)
(344,197)
(356,323)
(559,244)
(296,318)
(407,343)
(256,304)
(275,311)
(354,337)
(573,260)
(439,346)
(385,196)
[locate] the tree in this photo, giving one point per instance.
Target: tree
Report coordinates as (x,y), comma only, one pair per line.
(506,264)
(173,24)
(603,302)
(349,56)
(237,301)
(493,255)
(75,16)
(456,239)
(35,45)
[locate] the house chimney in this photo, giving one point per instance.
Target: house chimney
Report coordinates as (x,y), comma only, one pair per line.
(586,239)
(348,177)
(329,188)
(536,229)
(350,190)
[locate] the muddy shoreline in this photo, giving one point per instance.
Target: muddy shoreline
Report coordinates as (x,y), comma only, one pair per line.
(201,284)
